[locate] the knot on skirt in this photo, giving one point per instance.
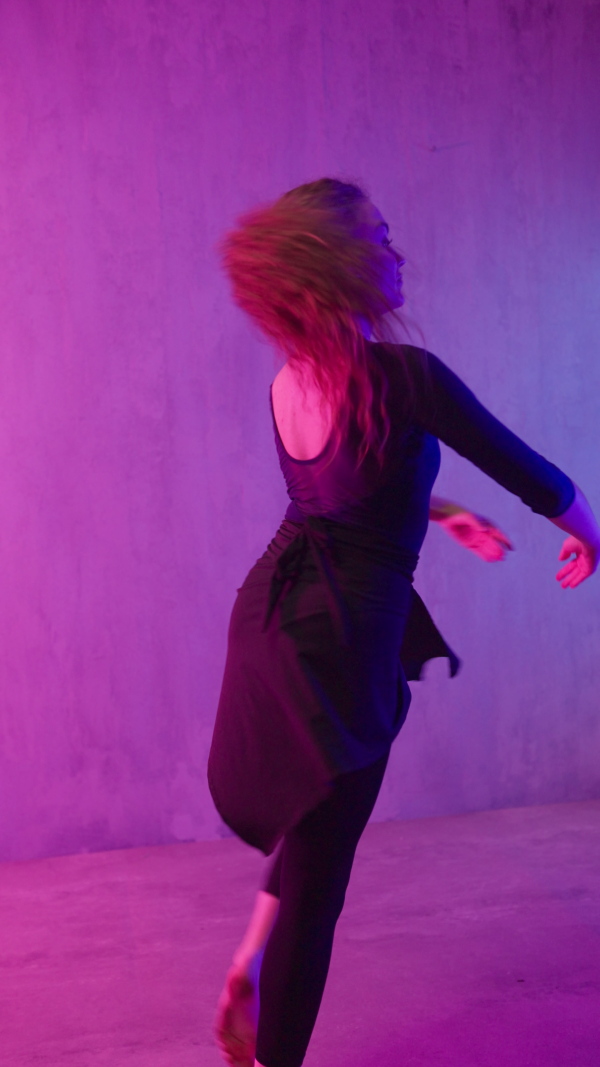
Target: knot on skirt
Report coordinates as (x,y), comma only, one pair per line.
(313,537)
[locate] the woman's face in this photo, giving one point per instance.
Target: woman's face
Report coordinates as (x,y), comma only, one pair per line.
(373,227)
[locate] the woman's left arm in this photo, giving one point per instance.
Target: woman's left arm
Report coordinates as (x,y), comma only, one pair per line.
(470,530)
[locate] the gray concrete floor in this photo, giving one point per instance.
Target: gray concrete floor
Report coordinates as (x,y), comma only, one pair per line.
(471,940)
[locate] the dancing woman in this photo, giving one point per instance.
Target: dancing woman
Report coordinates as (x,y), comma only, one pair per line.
(327,627)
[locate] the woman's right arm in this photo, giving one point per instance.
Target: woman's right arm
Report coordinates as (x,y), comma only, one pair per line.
(447,408)
(583,542)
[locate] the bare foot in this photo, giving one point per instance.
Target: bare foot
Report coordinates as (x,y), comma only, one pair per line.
(237,1018)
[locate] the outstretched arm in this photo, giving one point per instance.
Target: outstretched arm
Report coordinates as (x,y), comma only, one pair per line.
(583,542)
(470,530)
(581,549)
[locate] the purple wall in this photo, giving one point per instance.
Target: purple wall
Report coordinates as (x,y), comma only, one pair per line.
(138,470)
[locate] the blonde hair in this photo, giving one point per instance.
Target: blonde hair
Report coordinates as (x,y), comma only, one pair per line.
(300,271)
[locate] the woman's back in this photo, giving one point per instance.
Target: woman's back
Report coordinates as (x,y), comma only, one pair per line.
(303,418)
(327,479)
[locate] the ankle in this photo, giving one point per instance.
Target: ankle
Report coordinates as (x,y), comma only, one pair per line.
(247,965)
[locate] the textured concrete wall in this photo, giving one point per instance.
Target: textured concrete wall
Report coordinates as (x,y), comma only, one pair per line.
(138,473)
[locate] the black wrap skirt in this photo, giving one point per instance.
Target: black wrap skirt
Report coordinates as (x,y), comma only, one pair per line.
(324,633)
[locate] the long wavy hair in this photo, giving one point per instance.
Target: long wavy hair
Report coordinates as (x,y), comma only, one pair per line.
(298,268)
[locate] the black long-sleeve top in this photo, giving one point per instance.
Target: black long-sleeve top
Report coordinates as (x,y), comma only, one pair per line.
(425,401)
(327,628)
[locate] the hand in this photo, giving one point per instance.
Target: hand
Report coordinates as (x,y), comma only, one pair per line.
(585,563)
(477,534)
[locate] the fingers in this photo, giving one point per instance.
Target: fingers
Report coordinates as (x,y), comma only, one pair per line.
(566,582)
(488,547)
(582,565)
(478,535)
(573,581)
(488,528)
(502,539)
(569,547)
(490,551)
(565,551)
(574,573)
(506,544)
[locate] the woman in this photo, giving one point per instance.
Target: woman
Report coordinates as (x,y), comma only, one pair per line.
(327,628)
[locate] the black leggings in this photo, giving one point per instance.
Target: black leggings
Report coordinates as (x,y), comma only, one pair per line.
(310,874)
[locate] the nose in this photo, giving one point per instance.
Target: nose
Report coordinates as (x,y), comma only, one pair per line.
(400,258)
